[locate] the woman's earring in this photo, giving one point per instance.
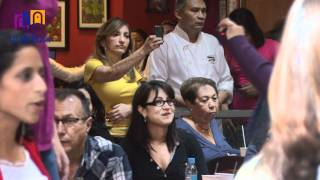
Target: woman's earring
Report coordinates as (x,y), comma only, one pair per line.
(23,130)
(145,119)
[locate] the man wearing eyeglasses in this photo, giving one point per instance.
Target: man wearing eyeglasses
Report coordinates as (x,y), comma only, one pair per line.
(90,157)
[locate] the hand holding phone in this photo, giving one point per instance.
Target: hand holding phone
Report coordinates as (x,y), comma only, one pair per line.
(158,30)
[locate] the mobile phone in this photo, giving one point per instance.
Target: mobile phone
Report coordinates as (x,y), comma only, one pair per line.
(158,30)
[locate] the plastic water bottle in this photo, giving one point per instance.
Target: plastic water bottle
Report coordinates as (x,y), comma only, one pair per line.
(191,170)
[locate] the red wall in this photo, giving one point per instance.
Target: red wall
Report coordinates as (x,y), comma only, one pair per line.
(135,13)
(212,16)
(81,42)
(138,17)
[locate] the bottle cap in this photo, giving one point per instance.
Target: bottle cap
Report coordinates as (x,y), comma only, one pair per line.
(191,160)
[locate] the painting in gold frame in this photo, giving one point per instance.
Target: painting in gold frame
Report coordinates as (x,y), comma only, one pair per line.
(57,29)
(92,13)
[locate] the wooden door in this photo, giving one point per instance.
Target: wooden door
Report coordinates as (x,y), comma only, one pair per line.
(268,12)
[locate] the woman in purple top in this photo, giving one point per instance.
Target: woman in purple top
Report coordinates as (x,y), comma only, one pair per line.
(249,59)
(10,11)
(292,152)
(201,97)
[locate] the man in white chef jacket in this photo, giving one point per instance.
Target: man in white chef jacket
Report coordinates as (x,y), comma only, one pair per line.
(188,52)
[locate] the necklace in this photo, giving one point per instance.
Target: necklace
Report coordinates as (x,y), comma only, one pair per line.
(14,164)
(8,163)
(203,130)
(206,133)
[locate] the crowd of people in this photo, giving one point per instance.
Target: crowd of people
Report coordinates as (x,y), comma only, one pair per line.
(141,105)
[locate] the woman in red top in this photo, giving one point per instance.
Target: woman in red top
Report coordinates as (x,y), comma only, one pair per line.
(245,94)
(22,94)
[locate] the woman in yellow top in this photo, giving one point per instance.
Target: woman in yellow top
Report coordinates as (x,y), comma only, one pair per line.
(110,71)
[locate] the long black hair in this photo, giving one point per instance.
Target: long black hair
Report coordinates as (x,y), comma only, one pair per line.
(138,132)
(245,18)
(11,41)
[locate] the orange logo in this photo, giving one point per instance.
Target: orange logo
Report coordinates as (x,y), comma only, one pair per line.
(37,17)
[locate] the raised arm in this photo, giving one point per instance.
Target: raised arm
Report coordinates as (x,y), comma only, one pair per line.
(108,73)
(256,67)
(157,65)
(68,74)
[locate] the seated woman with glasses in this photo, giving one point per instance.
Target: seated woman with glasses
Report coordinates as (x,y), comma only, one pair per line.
(201,97)
(156,150)
(22,100)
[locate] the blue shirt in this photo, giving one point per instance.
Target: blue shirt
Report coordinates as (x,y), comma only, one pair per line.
(210,150)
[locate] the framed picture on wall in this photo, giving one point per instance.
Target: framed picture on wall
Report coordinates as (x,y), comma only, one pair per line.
(227,6)
(232,5)
(92,13)
(222,9)
(57,29)
(157,6)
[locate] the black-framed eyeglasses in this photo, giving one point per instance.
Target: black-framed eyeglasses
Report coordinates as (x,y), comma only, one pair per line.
(68,121)
(160,102)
